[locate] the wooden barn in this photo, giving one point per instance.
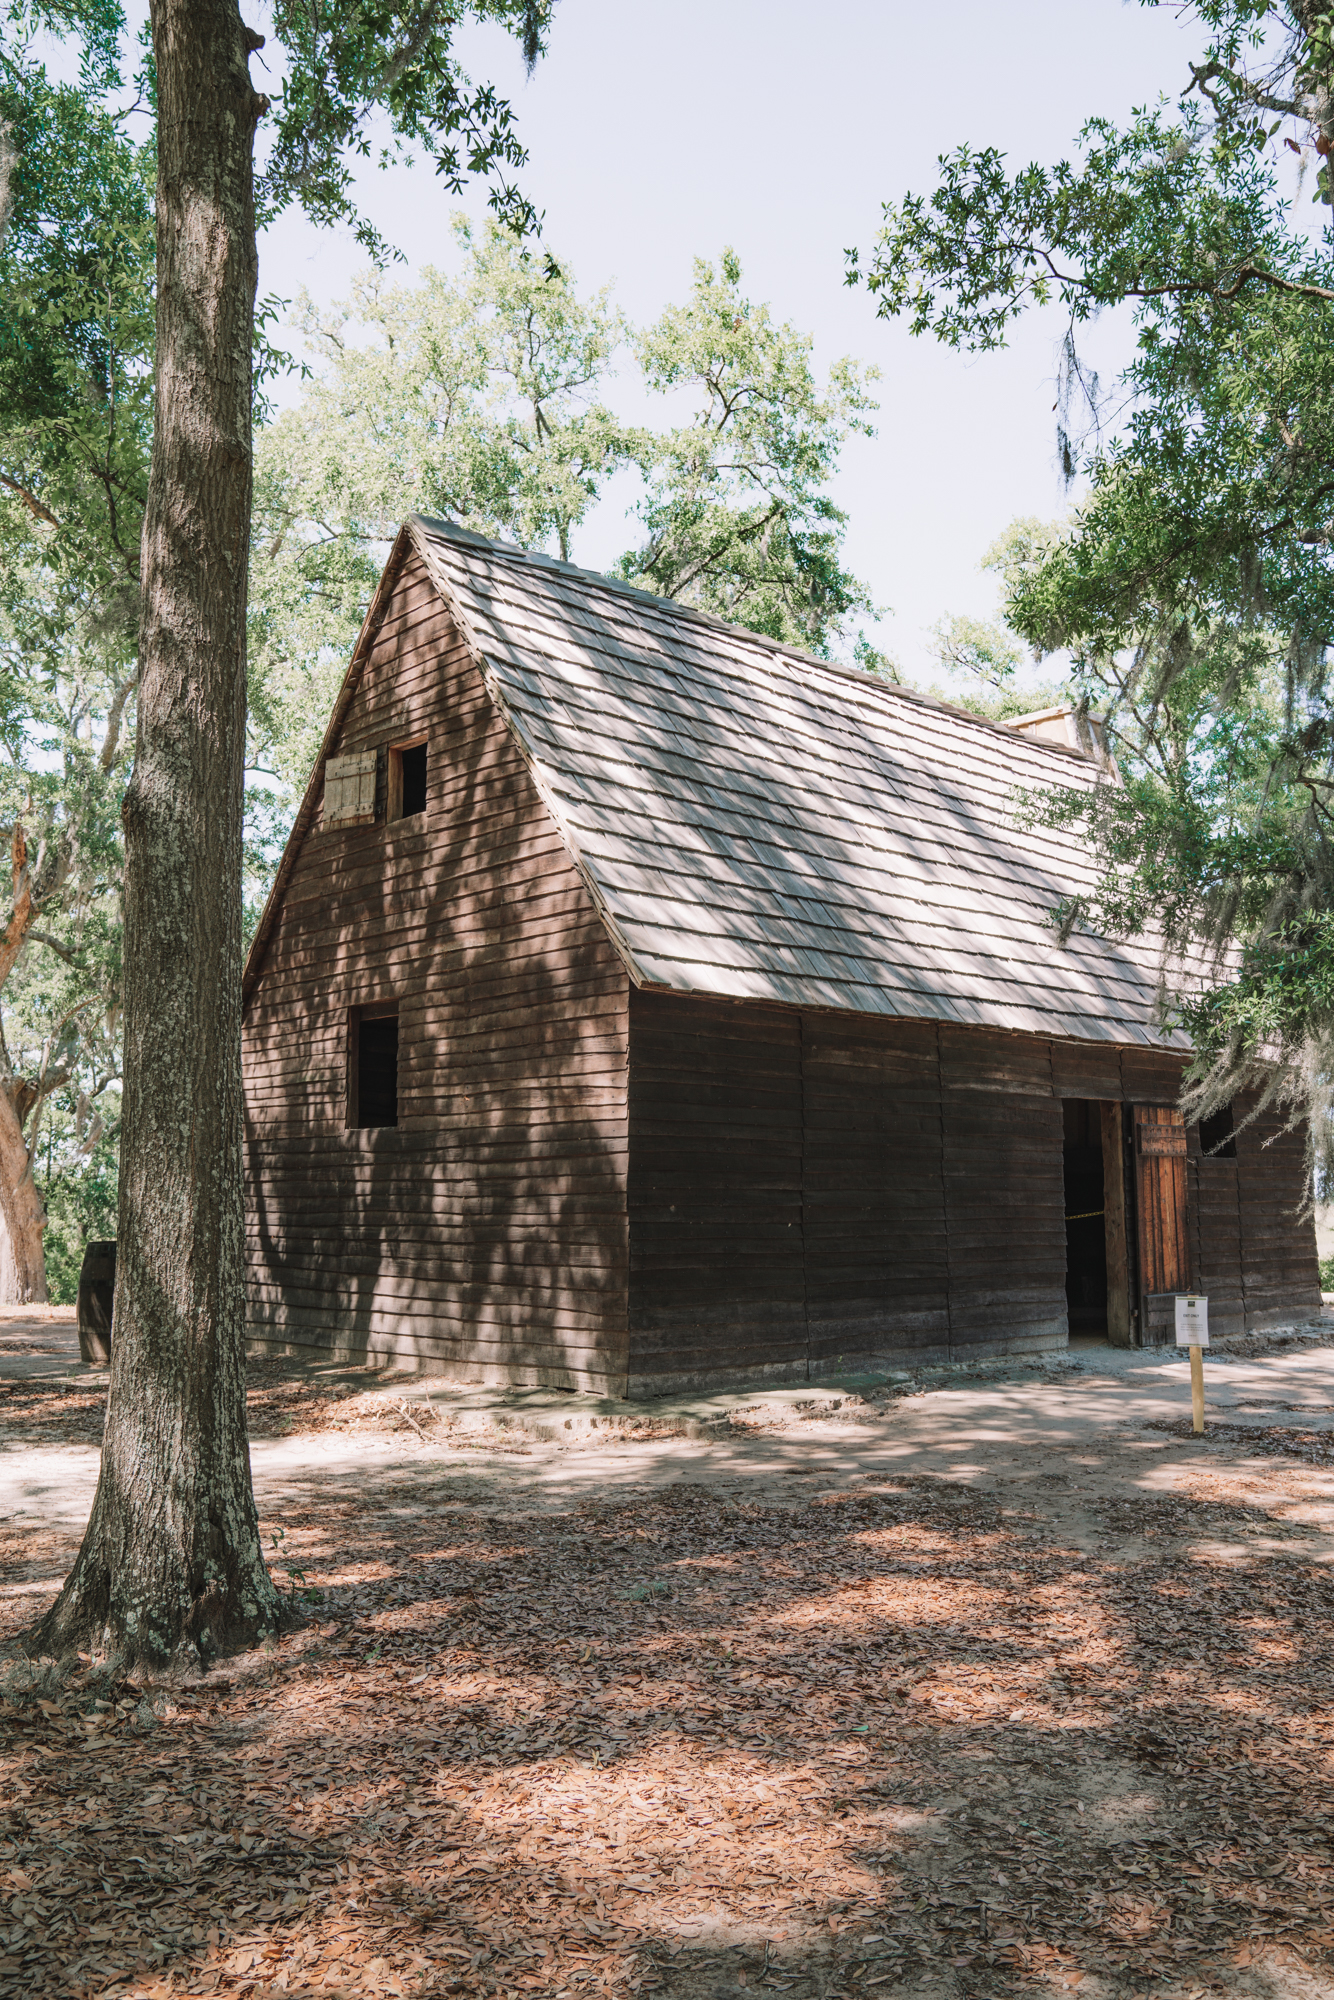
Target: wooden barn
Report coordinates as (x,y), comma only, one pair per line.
(642,1004)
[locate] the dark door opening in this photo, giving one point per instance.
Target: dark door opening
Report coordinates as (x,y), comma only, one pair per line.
(1085,1224)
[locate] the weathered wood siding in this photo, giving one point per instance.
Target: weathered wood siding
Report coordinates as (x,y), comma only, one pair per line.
(1005,1192)
(716,1249)
(1214,1199)
(487,1233)
(1278,1262)
(877,1269)
(809,1190)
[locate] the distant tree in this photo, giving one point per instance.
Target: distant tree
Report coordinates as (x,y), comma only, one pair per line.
(488,397)
(981,656)
(737,516)
(155,1581)
(64,758)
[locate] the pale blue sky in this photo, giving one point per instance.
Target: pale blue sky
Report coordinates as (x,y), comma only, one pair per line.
(658,133)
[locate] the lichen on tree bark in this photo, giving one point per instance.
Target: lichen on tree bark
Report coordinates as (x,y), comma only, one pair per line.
(171,1564)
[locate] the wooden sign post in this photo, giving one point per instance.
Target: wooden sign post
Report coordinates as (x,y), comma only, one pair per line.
(1192,1316)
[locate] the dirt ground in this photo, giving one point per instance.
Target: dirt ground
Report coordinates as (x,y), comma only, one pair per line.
(983,1685)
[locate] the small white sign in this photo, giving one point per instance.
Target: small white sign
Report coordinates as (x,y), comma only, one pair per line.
(1192,1320)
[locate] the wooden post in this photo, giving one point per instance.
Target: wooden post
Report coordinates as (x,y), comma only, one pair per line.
(1120,1331)
(1197,1389)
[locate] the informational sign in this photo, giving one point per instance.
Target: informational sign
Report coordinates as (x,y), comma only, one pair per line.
(1192,1320)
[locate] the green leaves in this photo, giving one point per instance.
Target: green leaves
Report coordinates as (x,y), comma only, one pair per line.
(77,264)
(478,398)
(1194,585)
(1163,211)
(76,341)
(484,398)
(346,65)
(737,517)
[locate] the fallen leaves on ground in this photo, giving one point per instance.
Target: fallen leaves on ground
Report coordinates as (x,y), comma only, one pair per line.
(280,1399)
(680,1742)
(1269,1440)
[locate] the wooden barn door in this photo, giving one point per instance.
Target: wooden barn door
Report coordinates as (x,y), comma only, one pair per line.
(1160,1213)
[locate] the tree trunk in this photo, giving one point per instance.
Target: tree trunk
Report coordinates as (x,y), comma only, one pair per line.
(171,1566)
(9,1277)
(22,1216)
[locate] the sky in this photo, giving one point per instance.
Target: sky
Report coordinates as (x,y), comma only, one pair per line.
(661,133)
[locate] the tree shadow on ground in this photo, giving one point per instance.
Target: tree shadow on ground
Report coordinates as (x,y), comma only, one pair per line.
(905,1740)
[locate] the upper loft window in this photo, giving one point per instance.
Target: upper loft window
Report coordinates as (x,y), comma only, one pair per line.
(374,1067)
(1218,1139)
(407,781)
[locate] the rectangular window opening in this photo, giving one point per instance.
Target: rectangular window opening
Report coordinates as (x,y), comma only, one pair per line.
(373,1096)
(1218,1139)
(407,781)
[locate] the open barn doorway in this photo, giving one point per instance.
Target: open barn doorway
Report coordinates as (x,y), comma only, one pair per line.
(1085,1224)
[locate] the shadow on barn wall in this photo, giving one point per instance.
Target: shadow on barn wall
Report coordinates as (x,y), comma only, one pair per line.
(486,1234)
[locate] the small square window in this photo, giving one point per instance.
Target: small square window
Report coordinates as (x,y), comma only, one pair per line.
(372,1067)
(1218,1141)
(407,781)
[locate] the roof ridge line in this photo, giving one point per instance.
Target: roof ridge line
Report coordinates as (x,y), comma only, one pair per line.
(617,586)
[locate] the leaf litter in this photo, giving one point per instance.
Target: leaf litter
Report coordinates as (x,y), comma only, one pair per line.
(908,1739)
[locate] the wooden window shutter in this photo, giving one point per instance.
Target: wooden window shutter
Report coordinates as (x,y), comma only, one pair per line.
(349,789)
(1160,1189)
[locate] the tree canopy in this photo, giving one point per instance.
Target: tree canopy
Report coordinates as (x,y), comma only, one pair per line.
(77,260)
(1194,585)
(737,513)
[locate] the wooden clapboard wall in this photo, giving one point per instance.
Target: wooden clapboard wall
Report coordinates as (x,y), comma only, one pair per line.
(487,1234)
(715,1122)
(874,1193)
(1005,1191)
(814,1189)
(901,1182)
(1278,1261)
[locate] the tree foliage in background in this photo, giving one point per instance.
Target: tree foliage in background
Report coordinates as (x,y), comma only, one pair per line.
(1194,586)
(76,338)
(488,398)
(737,515)
(478,398)
(65,748)
(981,657)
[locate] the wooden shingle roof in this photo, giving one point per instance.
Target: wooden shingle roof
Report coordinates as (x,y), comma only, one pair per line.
(760,824)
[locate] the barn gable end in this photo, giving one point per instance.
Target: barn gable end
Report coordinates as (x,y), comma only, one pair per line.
(485,1233)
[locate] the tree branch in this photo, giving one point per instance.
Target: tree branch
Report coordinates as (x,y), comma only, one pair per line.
(30,501)
(115,715)
(53,944)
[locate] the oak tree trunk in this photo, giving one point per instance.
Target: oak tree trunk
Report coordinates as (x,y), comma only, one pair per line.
(22,1215)
(171,1565)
